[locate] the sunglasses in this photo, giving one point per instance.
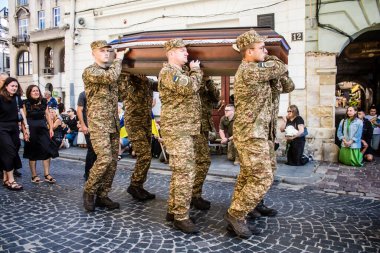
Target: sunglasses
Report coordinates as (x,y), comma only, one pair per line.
(69,111)
(289,111)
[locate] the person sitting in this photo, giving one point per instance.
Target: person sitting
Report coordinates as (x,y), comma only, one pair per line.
(51,101)
(72,123)
(294,128)
(226,133)
(367,150)
(59,131)
(350,133)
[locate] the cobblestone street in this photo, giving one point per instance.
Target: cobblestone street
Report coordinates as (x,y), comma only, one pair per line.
(50,218)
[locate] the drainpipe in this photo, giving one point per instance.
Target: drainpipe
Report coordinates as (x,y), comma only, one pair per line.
(72,53)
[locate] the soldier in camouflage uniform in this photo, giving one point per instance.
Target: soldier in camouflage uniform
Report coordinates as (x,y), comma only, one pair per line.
(137,94)
(209,96)
(102,94)
(253,103)
(283,84)
(180,127)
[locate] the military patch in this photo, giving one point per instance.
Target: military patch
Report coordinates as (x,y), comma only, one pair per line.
(266,64)
(181,80)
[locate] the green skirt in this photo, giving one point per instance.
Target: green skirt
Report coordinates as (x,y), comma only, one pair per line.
(351,156)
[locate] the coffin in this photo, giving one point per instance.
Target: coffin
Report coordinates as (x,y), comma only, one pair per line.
(213,47)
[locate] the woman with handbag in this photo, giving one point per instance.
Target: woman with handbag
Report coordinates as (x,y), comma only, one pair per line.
(294,128)
(40,145)
(350,132)
(10,116)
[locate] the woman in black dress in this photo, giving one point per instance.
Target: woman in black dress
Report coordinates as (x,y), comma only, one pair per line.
(10,104)
(40,145)
(296,141)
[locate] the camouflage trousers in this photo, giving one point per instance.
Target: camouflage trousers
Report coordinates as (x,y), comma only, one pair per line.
(232,153)
(189,165)
(255,177)
(142,145)
(106,147)
(273,157)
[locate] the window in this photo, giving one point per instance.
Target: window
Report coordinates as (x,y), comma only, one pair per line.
(41,20)
(266,20)
(49,57)
(22,2)
(62,61)
(24,64)
(23,27)
(56,16)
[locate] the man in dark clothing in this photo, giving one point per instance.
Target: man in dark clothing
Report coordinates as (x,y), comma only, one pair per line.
(82,116)
(366,137)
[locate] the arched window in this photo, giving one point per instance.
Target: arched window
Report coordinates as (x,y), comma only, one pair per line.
(24,63)
(49,57)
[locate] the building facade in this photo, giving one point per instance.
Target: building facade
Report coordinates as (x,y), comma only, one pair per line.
(4,41)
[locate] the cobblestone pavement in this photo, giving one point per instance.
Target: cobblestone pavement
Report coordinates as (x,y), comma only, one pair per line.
(340,179)
(50,218)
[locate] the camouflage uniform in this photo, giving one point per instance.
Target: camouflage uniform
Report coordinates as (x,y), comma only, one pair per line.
(253,103)
(137,94)
(180,127)
(103,123)
(209,95)
(283,84)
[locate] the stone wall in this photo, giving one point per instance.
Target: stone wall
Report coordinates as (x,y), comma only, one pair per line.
(316,104)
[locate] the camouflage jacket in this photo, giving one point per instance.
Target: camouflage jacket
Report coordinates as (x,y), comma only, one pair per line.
(253,99)
(181,105)
(209,97)
(137,94)
(102,94)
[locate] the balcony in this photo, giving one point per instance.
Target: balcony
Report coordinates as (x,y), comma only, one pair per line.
(48,72)
(21,40)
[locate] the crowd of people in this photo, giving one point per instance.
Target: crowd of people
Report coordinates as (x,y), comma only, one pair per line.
(187,98)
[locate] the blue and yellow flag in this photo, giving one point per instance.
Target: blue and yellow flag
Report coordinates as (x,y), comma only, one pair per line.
(154,127)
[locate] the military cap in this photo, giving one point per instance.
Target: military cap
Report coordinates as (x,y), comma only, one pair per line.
(99,44)
(174,43)
(246,39)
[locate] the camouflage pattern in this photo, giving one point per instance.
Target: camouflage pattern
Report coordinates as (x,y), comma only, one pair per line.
(180,126)
(227,125)
(180,101)
(255,177)
(210,96)
(137,94)
(232,153)
(103,122)
(174,43)
(246,39)
(202,160)
(99,44)
(253,110)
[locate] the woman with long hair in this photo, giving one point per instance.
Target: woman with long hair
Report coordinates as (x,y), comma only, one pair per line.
(350,133)
(294,129)
(10,116)
(40,145)
(59,131)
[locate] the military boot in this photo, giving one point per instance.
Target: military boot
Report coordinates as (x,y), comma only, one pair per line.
(264,210)
(106,202)
(137,193)
(238,226)
(88,202)
(170,217)
(200,203)
(147,194)
(186,226)
(252,228)
(254,214)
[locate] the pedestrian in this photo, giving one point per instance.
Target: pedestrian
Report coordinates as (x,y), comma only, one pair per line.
(102,94)
(40,145)
(367,134)
(375,120)
(253,104)
(51,101)
(60,105)
(82,117)
(209,96)
(180,126)
(10,116)
(137,95)
(350,132)
(226,126)
(294,128)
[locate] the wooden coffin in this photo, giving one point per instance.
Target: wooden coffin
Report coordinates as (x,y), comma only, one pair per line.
(213,47)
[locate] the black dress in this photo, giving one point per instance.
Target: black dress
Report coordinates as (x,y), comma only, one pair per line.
(297,145)
(9,134)
(40,146)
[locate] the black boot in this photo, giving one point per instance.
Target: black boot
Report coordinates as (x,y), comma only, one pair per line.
(88,202)
(106,202)
(137,193)
(238,226)
(265,211)
(252,228)
(186,226)
(200,203)
(170,217)
(254,214)
(147,194)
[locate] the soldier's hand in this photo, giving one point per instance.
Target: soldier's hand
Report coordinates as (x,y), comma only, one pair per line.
(120,54)
(195,64)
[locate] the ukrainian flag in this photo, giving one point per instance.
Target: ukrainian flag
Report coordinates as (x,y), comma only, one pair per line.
(123,131)
(154,127)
